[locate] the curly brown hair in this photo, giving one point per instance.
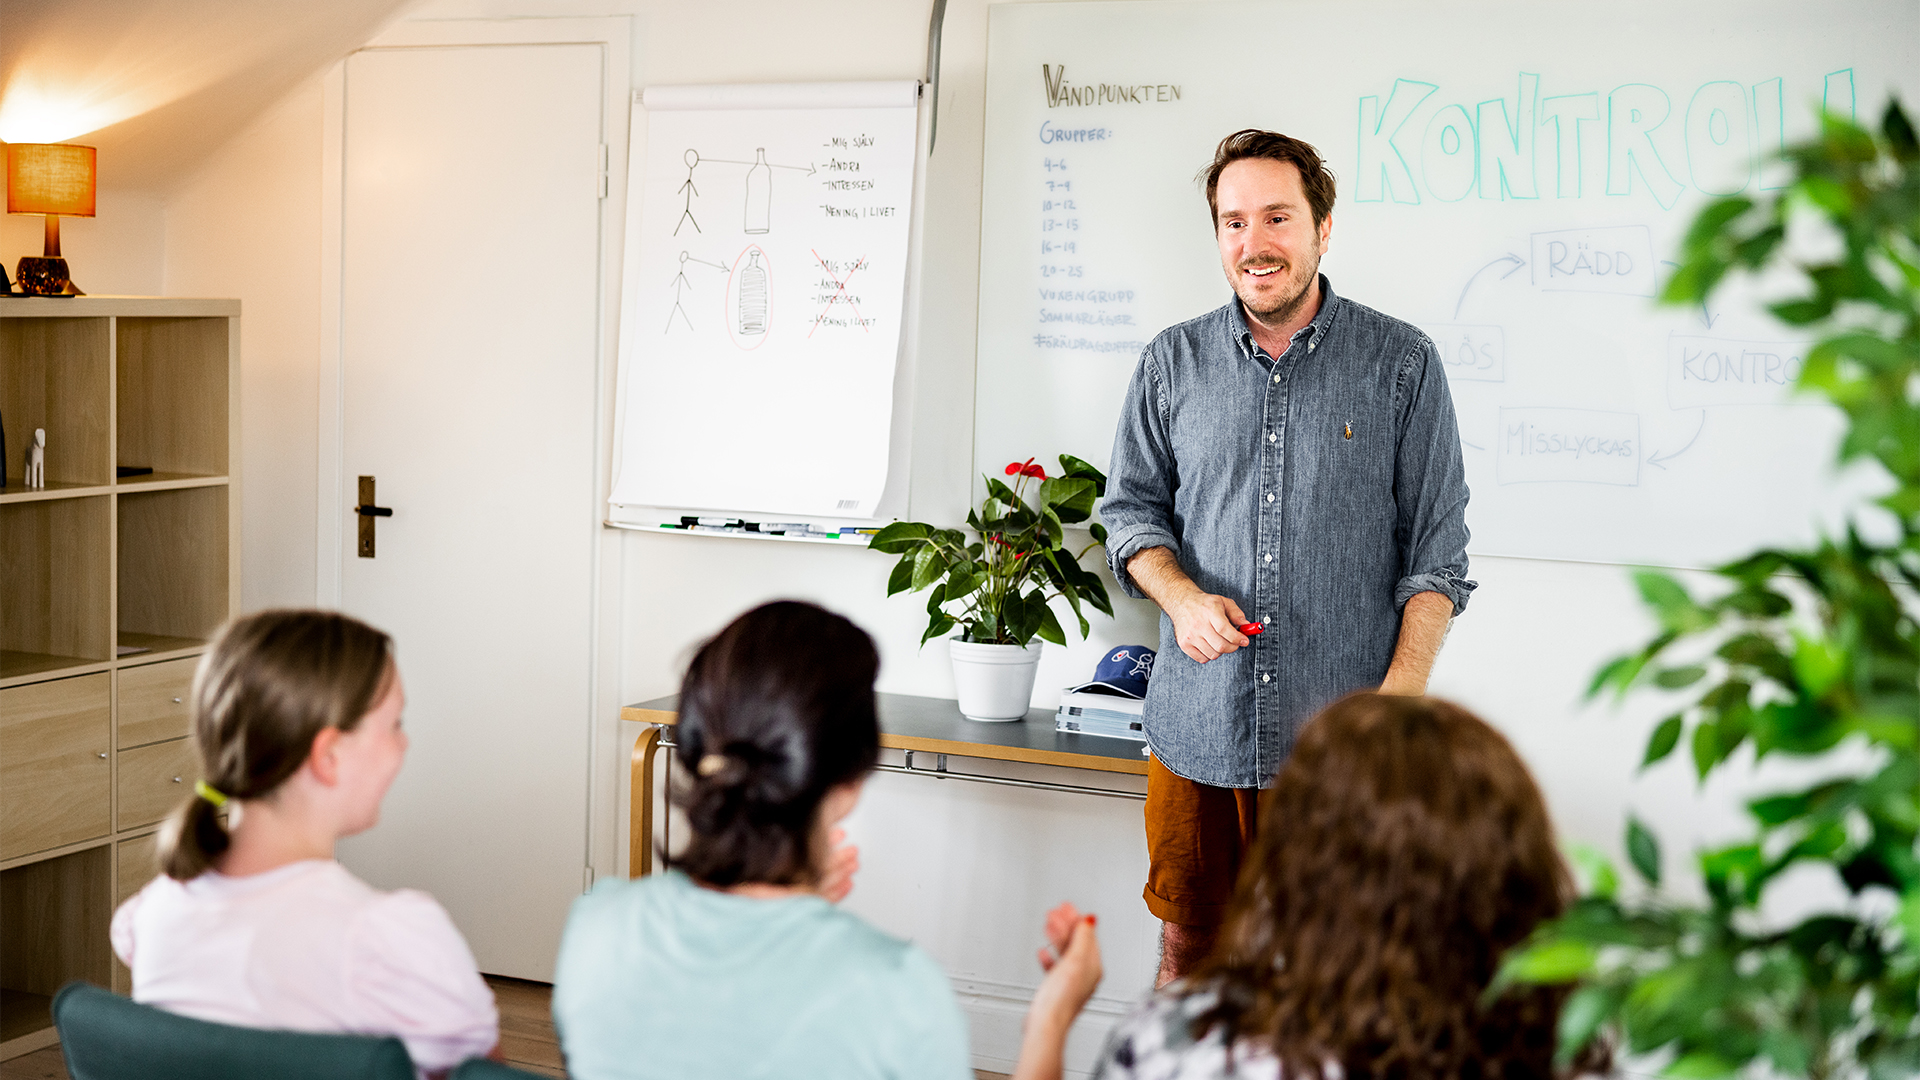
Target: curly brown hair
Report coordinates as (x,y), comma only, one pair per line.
(1402,849)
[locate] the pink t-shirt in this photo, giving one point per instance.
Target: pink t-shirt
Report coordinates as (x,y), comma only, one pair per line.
(309,947)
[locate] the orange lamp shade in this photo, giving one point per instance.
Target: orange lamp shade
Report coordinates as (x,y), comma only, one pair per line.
(48,178)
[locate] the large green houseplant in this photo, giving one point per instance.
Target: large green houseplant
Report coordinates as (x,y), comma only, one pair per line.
(998,589)
(1799,652)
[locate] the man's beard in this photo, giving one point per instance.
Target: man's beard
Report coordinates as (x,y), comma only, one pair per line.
(1283,307)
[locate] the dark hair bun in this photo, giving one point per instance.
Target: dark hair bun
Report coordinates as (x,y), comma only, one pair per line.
(775,711)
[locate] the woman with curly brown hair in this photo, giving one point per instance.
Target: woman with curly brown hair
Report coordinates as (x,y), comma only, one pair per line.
(1401,850)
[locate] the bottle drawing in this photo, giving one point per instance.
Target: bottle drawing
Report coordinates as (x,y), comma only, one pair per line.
(759,193)
(753,297)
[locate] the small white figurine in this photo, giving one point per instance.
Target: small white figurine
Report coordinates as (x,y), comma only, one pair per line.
(37,459)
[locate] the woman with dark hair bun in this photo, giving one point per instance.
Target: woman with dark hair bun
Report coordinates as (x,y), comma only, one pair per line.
(735,962)
(1402,849)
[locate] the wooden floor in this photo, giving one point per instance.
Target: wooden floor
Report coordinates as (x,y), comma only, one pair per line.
(527,1040)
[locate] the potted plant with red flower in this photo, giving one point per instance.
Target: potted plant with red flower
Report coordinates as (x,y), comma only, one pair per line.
(999,588)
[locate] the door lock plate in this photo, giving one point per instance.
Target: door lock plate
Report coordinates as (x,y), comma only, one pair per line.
(367,512)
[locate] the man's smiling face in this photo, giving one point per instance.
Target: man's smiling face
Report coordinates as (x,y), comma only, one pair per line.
(1270,247)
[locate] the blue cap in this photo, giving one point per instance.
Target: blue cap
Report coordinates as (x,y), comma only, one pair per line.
(1123,671)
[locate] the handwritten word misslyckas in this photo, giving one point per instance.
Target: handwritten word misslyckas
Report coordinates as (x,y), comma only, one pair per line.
(1580,446)
(1718,137)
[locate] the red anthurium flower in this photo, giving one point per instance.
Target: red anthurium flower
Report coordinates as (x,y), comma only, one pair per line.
(1034,471)
(1013,468)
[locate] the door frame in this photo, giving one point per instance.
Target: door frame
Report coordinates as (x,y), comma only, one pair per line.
(614,35)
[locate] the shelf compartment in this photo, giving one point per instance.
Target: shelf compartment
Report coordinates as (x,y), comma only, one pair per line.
(171,378)
(173,568)
(54,597)
(54,374)
(53,929)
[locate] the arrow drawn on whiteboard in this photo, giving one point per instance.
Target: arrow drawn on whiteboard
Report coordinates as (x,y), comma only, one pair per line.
(808,168)
(1658,459)
(1517,262)
(1706,316)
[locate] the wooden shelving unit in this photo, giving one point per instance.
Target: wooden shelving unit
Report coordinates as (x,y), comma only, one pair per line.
(108,589)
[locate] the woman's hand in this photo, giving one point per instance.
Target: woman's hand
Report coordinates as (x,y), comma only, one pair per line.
(843,861)
(1072,963)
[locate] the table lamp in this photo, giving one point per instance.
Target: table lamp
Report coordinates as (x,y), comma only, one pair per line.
(50,179)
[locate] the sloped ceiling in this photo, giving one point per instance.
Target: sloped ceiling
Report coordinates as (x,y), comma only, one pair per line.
(157,85)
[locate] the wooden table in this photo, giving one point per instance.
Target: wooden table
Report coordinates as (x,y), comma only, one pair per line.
(914,725)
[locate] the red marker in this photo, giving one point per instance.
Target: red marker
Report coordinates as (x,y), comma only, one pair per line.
(1250,628)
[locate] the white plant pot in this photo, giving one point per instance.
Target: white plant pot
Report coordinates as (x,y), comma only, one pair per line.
(994,682)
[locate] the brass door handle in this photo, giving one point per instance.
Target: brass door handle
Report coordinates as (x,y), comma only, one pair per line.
(366,511)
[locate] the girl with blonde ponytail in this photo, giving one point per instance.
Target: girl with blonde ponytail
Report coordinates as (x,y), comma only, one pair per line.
(296,717)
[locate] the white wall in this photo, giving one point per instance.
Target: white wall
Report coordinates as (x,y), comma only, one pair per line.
(117,252)
(247,224)
(966,870)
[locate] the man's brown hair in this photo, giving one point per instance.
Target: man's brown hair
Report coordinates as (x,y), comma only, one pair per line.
(1255,143)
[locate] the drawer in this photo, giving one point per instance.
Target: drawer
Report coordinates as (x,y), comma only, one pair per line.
(135,862)
(53,764)
(153,780)
(154,701)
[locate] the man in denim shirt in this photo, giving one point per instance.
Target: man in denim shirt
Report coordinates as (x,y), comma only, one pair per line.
(1290,459)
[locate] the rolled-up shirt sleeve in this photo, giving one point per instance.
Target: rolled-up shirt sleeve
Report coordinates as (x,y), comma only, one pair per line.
(1142,476)
(1430,488)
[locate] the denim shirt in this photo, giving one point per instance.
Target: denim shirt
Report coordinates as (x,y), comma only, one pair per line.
(1319,491)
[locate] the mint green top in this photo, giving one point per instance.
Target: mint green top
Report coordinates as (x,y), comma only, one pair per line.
(658,977)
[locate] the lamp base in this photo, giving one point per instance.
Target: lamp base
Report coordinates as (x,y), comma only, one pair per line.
(44,275)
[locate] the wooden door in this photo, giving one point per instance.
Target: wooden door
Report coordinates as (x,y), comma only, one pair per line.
(55,780)
(470,297)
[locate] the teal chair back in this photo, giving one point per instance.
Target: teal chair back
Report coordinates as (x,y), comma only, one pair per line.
(109,1037)
(482,1069)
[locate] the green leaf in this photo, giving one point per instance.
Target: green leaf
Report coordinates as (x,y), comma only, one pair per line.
(938,627)
(1593,870)
(1670,601)
(1080,470)
(1664,739)
(1071,500)
(1700,1065)
(999,490)
(929,565)
(1706,747)
(1099,533)
(1817,663)
(899,536)
(1787,1050)
(1551,962)
(1677,678)
(1580,1018)
(1776,810)
(1050,626)
(902,577)
(1909,918)
(935,598)
(1643,849)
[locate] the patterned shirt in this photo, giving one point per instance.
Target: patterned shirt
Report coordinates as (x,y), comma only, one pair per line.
(1319,491)
(1156,1043)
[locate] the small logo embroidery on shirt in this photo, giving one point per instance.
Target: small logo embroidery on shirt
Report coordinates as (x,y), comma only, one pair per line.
(1349,431)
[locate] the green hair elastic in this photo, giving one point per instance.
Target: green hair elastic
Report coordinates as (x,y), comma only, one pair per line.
(210,793)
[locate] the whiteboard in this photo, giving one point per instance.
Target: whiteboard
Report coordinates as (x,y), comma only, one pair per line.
(1512,178)
(763,300)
